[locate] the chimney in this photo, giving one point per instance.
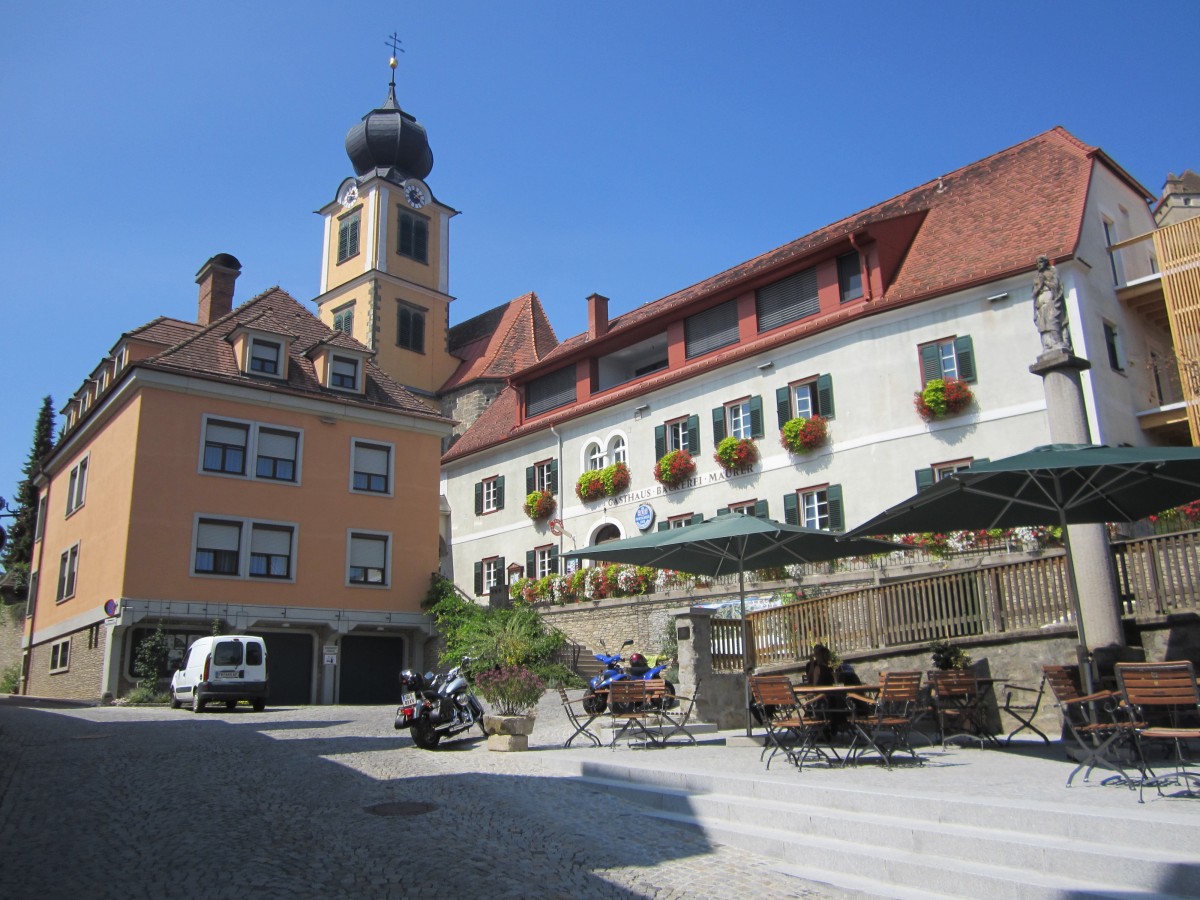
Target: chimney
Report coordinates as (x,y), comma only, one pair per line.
(597,316)
(216,278)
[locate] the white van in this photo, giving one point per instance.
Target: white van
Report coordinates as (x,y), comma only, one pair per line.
(224,668)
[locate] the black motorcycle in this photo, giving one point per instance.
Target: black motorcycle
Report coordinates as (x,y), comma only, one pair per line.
(437,706)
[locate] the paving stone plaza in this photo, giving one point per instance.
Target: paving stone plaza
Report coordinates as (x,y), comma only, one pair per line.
(149,802)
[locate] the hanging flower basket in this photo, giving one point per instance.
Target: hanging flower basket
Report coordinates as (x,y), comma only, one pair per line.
(606,482)
(941,398)
(800,435)
(674,468)
(736,454)
(539,505)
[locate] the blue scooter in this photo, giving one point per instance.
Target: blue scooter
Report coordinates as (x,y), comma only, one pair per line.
(594,702)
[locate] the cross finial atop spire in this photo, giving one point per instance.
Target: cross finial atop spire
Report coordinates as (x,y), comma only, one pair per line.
(394,43)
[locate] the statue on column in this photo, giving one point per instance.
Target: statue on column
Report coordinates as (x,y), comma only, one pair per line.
(1050,308)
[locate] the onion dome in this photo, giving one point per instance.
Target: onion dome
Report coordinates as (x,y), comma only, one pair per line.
(389,138)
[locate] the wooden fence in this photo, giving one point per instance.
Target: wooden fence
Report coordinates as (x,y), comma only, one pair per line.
(1155,576)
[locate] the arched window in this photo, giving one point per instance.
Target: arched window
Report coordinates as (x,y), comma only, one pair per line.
(616,450)
(595,457)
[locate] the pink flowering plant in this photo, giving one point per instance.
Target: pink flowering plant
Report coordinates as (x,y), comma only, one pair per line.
(510,690)
(674,468)
(803,435)
(736,454)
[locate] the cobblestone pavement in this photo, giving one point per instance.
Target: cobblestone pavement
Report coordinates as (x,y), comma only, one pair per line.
(152,802)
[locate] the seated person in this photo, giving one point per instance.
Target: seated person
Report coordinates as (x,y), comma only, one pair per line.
(820,666)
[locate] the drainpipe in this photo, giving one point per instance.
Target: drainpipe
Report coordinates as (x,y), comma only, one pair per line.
(561,492)
(864,269)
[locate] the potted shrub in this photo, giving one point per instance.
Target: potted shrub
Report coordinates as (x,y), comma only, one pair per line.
(947,656)
(801,435)
(513,693)
(941,398)
(674,468)
(736,454)
(539,505)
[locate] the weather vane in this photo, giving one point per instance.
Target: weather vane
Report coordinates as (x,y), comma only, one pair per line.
(394,43)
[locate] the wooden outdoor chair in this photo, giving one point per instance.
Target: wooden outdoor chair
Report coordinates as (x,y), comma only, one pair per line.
(579,718)
(1022,702)
(956,699)
(885,725)
(1097,735)
(1163,703)
(628,708)
(675,719)
(792,727)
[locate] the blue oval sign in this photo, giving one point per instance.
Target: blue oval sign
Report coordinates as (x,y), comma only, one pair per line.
(643,518)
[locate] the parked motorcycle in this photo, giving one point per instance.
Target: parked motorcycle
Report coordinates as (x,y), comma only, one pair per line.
(594,701)
(437,706)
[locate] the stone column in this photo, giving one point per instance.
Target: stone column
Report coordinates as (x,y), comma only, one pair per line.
(1060,372)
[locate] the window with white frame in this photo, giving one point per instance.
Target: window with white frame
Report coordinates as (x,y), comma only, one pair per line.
(68,569)
(371,470)
(218,547)
(679,521)
(745,508)
(805,398)
(77,485)
(545,561)
(491,494)
(343,373)
(948,358)
(542,476)
(815,507)
(271,551)
(677,435)
(368,559)
(225,447)
(276,453)
(617,450)
(946,469)
(740,419)
(265,357)
(595,457)
(60,656)
(492,574)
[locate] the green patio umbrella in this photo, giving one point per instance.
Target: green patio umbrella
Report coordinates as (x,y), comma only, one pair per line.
(729,544)
(1058,484)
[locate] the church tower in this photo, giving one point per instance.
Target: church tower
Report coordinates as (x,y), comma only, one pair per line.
(385,263)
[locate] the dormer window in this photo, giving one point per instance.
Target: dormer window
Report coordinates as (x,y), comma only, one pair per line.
(265,357)
(344,373)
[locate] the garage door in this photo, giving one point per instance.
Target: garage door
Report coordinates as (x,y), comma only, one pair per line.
(289,667)
(371,668)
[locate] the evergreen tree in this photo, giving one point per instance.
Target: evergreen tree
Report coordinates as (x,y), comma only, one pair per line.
(18,552)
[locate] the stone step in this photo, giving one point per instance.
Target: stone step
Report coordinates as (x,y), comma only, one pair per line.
(701,731)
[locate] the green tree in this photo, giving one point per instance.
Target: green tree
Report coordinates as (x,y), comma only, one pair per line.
(150,658)
(18,552)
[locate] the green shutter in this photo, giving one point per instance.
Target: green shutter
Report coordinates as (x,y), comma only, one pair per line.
(554,560)
(783,405)
(500,492)
(530,479)
(791,508)
(660,441)
(931,364)
(664,526)
(530,564)
(478,579)
(964,353)
(693,431)
(553,476)
(502,574)
(696,519)
(479,498)
(837,518)
(756,417)
(718,425)
(760,510)
(825,396)
(924,479)
(723,511)
(979,461)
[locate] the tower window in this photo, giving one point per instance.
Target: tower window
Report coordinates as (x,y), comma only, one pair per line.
(410,329)
(414,237)
(343,319)
(348,238)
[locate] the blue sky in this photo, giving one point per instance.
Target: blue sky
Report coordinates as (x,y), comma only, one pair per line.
(625,148)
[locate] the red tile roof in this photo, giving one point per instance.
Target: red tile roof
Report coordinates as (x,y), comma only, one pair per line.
(985,221)
(501,341)
(208,353)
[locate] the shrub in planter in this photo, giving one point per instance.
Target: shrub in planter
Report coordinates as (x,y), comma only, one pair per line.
(675,467)
(510,690)
(802,435)
(539,505)
(735,454)
(942,397)
(948,656)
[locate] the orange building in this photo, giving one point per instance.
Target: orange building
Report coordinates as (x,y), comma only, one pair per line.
(254,472)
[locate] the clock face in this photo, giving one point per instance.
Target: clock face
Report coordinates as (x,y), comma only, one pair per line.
(348,193)
(416,193)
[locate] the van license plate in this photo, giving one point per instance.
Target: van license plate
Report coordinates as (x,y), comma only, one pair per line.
(408,699)
(232,673)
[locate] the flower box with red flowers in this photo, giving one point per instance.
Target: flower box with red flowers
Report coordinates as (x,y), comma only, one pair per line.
(736,454)
(803,435)
(674,468)
(941,398)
